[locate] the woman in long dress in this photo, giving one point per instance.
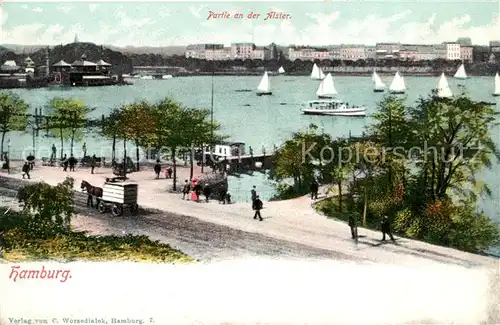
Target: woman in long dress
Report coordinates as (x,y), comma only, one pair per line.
(194,197)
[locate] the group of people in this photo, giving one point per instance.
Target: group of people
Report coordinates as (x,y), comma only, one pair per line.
(194,191)
(157,169)
(385,226)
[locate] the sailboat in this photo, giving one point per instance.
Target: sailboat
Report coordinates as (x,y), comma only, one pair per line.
(264,87)
(379,86)
(443,89)
(326,88)
(397,85)
(317,73)
(281,70)
(497,85)
(460,74)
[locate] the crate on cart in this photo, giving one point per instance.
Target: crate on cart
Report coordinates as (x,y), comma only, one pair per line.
(120,196)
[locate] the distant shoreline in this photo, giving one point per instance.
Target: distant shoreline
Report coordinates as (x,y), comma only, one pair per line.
(335,73)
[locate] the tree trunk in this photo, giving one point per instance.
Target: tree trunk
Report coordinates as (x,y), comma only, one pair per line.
(191,163)
(3,139)
(365,205)
(62,142)
(113,149)
(175,169)
(72,141)
(137,154)
(339,186)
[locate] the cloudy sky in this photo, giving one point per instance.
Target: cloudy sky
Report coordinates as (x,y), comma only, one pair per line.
(312,23)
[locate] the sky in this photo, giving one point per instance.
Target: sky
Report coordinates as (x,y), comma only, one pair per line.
(310,23)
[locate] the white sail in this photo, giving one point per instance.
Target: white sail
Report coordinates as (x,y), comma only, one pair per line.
(397,84)
(443,89)
(317,73)
(326,87)
(379,84)
(264,85)
(460,74)
(497,85)
(281,70)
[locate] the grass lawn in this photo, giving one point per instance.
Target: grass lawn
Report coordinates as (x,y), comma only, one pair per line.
(77,246)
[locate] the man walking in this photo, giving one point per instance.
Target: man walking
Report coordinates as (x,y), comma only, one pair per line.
(257,207)
(65,163)
(26,169)
(206,192)
(386,228)
(314,190)
(157,168)
(92,163)
(185,190)
(353,224)
(253,192)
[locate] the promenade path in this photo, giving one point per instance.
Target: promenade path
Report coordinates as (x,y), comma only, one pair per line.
(293,221)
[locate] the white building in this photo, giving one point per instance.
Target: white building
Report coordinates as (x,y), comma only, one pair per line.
(242,50)
(352,52)
(452,51)
(307,53)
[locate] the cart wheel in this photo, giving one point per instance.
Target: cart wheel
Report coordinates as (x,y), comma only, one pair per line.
(134,207)
(101,207)
(117,210)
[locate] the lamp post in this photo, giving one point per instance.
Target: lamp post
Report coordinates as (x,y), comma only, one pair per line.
(8,156)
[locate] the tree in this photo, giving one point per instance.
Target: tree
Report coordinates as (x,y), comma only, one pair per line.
(448,127)
(300,157)
(70,116)
(138,122)
(111,128)
(12,114)
(179,127)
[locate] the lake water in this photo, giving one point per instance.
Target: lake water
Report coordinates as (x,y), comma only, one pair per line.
(257,121)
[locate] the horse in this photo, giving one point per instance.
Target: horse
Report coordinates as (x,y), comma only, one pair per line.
(91,191)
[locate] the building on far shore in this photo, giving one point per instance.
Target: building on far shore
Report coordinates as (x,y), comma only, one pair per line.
(462,49)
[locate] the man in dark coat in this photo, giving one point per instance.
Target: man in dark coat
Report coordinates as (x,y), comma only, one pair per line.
(386,228)
(93,162)
(197,189)
(257,207)
(157,168)
(353,224)
(72,163)
(186,189)
(207,191)
(253,193)
(65,163)
(26,169)
(222,194)
(314,190)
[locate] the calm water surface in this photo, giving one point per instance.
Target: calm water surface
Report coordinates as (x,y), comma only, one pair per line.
(257,121)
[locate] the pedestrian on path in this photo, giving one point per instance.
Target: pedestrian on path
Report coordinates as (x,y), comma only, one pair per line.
(65,163)
(353,224)
(206,192)
(157,168)
(197,191)
(314,189)
(257,208)
(54,152)
(254,195)
(222,194)
(185,190)
(72,163)
(92,163)
(169,172)
(26,169)
(386,228)
(84,149)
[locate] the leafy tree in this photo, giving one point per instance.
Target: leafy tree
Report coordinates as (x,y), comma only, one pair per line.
(300,157)
(111,128)
(70,118)
(12,111)
(138,124)
(449,127)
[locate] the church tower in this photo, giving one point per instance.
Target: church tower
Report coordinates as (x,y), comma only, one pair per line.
(76,39)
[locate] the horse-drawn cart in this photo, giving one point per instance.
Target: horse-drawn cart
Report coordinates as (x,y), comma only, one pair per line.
(119,196)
